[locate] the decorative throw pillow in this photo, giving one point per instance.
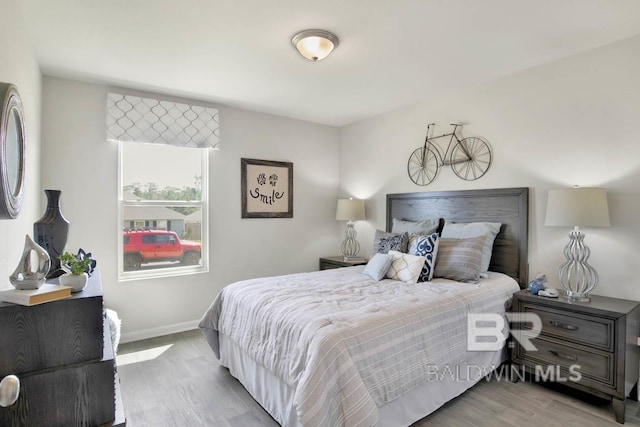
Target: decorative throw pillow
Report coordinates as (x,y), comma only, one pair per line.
(474,229)
(376,239)
(427,226)
(426,246)
(398,243)
(378,266)
(405,267)
(459,259)
(413,241)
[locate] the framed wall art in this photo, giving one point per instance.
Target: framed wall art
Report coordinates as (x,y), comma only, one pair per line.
(267,189)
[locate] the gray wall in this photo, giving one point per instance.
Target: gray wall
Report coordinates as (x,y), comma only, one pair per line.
(18,66)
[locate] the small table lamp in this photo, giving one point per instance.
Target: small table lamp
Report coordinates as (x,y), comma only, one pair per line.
(350,210)
(586,207)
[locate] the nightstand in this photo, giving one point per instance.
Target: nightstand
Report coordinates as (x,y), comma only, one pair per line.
(597,339)
(336,262)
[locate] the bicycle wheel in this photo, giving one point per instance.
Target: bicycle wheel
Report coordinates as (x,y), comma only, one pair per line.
(471,158)
(422,166)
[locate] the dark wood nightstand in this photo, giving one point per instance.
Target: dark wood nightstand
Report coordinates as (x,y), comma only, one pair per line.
(600,338)
(337,261)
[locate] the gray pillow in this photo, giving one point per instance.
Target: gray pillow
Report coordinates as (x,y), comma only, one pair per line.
(427,226)
(378,266)
(475,229)
(459,259)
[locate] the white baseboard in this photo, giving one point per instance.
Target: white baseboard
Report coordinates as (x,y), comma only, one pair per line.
(158,332)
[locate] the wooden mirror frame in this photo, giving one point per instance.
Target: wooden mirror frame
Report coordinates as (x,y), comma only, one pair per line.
(11,109)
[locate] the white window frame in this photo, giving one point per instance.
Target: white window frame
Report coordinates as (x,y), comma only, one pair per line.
(125,276)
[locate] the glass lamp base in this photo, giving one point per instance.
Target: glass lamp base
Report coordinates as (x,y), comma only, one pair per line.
(350,246)
(578,297)
(576,276)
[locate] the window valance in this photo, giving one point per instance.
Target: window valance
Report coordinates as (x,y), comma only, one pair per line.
(137,119)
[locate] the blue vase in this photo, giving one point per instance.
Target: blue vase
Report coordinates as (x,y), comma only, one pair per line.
(535,286)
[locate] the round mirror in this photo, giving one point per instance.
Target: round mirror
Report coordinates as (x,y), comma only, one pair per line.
(12,151)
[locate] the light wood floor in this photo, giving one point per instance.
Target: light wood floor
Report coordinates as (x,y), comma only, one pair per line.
(186,386)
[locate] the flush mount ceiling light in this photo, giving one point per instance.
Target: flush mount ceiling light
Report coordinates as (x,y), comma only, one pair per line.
(315,44)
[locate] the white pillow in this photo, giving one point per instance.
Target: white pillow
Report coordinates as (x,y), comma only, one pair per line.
(475,229)
(405,267)
(378,266)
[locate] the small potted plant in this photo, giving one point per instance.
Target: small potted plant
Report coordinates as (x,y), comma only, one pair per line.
(76,276)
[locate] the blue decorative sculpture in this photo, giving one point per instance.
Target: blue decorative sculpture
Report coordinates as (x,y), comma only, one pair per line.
(536,286)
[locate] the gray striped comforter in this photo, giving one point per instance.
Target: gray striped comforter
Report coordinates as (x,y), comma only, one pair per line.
(346,343)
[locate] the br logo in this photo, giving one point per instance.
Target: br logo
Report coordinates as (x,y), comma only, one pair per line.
(485,331)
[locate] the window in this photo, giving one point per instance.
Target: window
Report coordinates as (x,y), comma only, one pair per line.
(163,174)
(148,239)
(163,210)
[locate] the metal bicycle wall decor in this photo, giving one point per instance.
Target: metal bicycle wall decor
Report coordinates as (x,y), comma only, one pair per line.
(470,158)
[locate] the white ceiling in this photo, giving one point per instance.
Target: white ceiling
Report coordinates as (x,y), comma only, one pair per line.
(392,53)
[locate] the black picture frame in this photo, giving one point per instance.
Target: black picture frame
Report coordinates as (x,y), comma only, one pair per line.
(265,193)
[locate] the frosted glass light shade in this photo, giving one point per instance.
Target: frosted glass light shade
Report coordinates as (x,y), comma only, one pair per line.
(584,207)
(315,44)
(350,210)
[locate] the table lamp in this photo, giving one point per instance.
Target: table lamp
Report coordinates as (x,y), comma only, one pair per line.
(350,210)
(577,207)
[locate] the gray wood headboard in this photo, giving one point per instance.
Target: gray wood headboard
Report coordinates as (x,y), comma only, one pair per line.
(509,206)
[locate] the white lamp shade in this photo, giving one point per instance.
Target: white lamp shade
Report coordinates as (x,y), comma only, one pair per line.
(584,207)
(350,210)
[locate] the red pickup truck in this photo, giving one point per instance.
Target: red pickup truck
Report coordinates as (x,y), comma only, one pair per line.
(143,246)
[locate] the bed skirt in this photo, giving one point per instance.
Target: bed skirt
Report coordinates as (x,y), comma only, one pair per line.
(276,397)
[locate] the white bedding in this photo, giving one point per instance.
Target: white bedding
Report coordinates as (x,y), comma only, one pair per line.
(353,344)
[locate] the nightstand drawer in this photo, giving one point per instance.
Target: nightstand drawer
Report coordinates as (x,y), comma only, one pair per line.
(586,330)
(590,363)
(328,265)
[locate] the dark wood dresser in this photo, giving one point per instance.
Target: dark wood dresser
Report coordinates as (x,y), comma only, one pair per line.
(597,339)
(61,351)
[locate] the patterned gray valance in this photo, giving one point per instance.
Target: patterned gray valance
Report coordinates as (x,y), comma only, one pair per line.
(132,118)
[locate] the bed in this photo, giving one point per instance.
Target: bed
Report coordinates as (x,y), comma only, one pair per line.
(336,348)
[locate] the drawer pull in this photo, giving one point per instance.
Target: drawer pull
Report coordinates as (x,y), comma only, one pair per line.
(566,326)
(9,390)
(563,356)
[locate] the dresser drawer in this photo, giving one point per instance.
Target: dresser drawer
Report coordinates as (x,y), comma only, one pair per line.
(586,330)
(77,395)
(591,364)
(48,335)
